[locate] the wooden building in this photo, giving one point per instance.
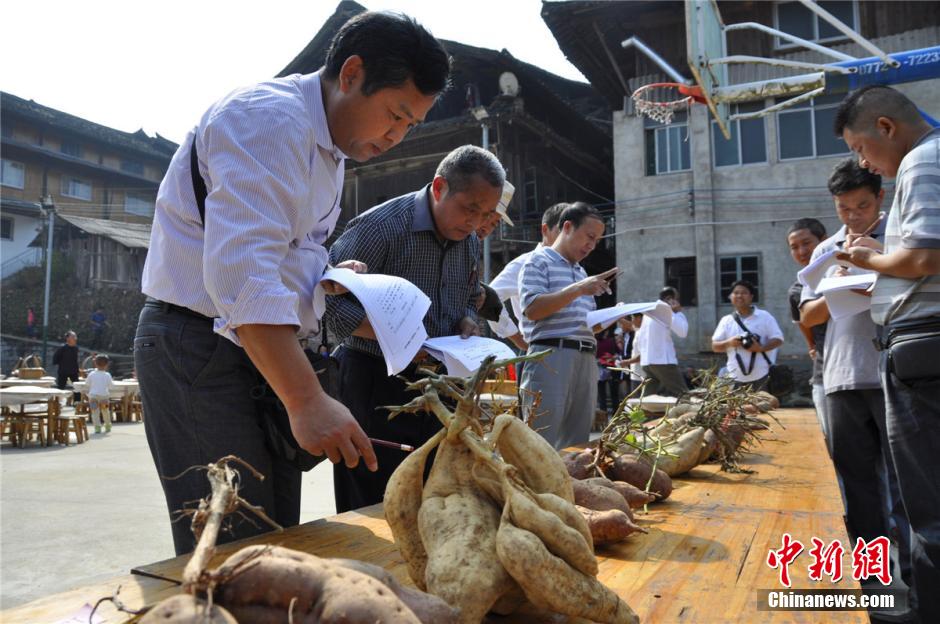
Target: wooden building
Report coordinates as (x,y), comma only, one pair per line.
(551,134)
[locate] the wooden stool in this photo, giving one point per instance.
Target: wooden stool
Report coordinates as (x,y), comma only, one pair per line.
(28,425)
(71,424)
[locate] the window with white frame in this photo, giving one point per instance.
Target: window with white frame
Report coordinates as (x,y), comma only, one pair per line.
(77,188)
(795,19)
(734,268)
(667,145)
(748,143)
(6,228)
(138,205)
(13,174)
(805,130)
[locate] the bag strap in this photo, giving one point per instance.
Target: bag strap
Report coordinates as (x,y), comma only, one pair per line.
(739,321)
(199,185)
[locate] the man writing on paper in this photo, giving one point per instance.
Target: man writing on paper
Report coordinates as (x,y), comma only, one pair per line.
(428,238)
(556,295)
(891,137)
(660,363)
(855,406)
(237,248)
(506,284)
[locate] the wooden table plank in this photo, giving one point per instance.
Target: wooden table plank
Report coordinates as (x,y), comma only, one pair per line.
(705,555)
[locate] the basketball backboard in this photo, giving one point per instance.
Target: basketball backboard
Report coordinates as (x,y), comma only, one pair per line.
(705,40)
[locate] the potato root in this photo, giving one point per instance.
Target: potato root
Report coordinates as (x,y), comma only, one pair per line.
(599,497)
(578,464)
(686,451)
(632,470)
(608,527)
(634,496)
(537,461)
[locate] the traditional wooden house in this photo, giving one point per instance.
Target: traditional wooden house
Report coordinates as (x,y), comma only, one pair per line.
(551,134)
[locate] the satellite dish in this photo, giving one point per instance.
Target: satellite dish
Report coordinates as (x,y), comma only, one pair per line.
(508,84)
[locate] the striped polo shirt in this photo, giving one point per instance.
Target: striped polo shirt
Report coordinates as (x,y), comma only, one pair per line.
(546,271)
(914,223)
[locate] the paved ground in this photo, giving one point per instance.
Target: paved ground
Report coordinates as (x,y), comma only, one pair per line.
(76,515)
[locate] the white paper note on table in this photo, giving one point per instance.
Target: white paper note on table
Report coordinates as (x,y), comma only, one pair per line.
(840,298)
(604,317)
(463,357)
(394,306)
(815,271)
(83,616)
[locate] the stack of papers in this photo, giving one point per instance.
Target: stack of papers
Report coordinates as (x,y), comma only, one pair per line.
(463,356)
(605,317)
(815,271)
(394,306)
(840,298)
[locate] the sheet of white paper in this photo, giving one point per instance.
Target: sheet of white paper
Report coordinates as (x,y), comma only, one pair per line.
(395,308)
(840,299)
(463,357)
(815,271)
(81,617)
(605,317)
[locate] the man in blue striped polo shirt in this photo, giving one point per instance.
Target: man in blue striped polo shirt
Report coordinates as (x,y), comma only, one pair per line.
(892,138)
(556,295)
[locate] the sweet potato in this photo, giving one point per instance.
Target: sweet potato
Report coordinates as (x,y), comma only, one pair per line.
(458,523)
(429,609)
(538,463)
(401,503)
(560,539)
(312,589)
(608,527)
(686,451)
(631,469)
(599,497)
(681,409)
(634,496)
(578,464)
(550,583)
(187,609)
(709,445)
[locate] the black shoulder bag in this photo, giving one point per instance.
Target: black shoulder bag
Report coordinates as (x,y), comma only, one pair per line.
(272,415)
(780,376)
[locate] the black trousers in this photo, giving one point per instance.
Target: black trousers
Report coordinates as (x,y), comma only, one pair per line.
(195,387)
(858,442)
(913,425)
(364,386)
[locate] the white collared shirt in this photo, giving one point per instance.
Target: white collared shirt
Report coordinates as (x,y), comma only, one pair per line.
(659,347)
(506,286)
(274,180)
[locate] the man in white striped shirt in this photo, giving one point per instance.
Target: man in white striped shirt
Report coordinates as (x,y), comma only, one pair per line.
(556,295)
(237,248)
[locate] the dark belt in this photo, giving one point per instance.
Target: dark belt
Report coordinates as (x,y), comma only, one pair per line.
(167,307)
(563,343)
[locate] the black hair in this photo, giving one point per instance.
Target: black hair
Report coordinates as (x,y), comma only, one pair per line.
(750,287)
(467,161)
(815,227)
(552,214)
(848,175)
(101,358)
(577,213)
(667,292)
(864,106)
(394,49)
(70,333)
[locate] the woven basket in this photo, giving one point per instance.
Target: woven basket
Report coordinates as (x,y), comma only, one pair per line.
(30,367)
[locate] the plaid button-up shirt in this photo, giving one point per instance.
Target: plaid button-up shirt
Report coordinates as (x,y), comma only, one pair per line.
(398,238)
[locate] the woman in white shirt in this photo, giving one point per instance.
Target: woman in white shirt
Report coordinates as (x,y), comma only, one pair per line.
(749,336)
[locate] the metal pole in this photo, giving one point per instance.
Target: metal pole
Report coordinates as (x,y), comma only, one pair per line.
(486,241)
(50,229)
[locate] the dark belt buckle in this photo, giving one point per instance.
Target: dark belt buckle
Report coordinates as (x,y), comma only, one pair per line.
(585,346)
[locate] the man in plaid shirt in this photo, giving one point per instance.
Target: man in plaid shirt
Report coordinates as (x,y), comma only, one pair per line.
(427,237)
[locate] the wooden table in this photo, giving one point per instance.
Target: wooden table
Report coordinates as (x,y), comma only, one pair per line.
(703,560)
(23,395)
(123,389)
(42,382)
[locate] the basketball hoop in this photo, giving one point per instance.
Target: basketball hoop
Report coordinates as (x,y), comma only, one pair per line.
(663,110)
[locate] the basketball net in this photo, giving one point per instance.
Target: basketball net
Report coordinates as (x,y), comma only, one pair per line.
(649,101)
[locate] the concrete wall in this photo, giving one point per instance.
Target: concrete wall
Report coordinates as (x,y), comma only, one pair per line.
(657,220)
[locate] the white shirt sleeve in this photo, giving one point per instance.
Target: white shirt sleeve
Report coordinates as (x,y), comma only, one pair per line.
(506,284)
(504,328)
(680,325)
(721,332)
(251,218)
